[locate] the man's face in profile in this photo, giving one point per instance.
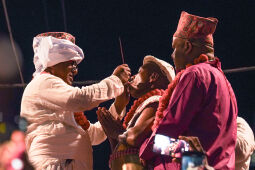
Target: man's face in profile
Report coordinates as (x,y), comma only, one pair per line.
(140,83)
(65,70)
(178,54)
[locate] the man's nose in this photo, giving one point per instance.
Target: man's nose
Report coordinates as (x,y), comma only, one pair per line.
(131,78)
(172,55)
(75,71)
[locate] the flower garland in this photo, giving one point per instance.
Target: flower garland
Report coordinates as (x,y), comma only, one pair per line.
(164,100)
(138,102)
(82,120)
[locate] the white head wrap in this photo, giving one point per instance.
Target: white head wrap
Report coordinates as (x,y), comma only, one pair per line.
(49,51)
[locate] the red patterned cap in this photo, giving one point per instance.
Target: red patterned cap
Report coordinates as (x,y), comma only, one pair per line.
(60,35)
(195,27)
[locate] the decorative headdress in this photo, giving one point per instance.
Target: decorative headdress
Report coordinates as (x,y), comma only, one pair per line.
(52,48)
(197,28)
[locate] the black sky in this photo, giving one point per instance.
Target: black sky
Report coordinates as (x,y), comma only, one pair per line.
(145,27)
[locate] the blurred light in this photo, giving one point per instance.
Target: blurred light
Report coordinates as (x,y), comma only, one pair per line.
(130,166)
(169,146)
(252,160)
(1,117)
(2,127)
(16,119)
(17,164)
(22,124)
(162,142)
(8,65)
(18,137)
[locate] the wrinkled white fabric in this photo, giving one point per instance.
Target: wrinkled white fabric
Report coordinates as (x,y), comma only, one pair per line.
(245,145)
(62,165)
(48,104)
(49,51)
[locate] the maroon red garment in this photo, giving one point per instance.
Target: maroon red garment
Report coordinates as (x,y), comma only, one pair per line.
(203,104)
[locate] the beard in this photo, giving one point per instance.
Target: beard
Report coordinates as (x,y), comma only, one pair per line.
(139,90)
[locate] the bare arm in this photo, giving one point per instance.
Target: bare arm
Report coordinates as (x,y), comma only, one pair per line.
(122,100)
(137,134)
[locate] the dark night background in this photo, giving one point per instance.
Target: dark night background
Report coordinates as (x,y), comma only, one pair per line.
(145,27)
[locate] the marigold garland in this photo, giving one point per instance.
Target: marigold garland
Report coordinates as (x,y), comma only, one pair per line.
(164,100)
(82,120)
(138,102)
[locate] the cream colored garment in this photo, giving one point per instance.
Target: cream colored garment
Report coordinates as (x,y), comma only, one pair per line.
(48,104)
(245,145)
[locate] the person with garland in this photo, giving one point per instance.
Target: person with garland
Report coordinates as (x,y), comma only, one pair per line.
(199,102)
(12,153)
(147,86)
(58,135)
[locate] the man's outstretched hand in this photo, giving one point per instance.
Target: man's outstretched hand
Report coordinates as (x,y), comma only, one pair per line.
(123,72)
(112,127)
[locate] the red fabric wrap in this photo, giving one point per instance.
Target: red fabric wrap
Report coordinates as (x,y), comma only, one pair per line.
(59,35)
(122,153)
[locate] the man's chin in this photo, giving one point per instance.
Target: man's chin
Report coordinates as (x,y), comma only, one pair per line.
(132,89)
(135,93)
(69,82)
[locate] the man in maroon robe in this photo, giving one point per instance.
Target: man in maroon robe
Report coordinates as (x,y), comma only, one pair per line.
(201,100)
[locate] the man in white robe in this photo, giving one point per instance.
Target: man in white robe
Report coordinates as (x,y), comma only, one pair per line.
(54,140)
(245,145)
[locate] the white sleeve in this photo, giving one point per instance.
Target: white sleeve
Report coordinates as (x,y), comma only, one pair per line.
(57,95)
(245,144)
(114,113)
(96,133)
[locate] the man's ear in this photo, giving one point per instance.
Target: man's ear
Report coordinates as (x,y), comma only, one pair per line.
(153,77)
(187,47)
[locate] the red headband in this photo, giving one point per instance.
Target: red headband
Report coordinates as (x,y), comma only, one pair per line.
(59,35)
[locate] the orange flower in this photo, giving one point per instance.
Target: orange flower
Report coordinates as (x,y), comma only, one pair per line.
(137,103)
(82,120)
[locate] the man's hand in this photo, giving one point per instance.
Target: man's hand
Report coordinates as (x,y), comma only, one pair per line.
(123,72)
(194,143)
(113,128)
